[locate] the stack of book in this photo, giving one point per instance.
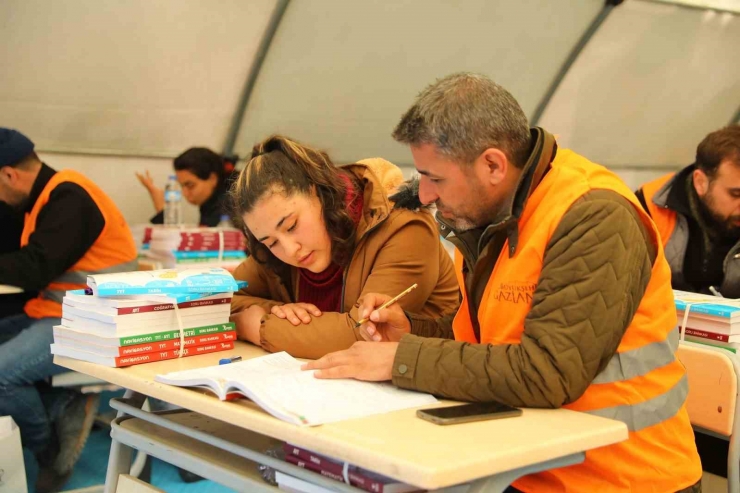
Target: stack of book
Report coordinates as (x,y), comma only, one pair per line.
(130,318)
(711,320)
(334,469)
(202,247)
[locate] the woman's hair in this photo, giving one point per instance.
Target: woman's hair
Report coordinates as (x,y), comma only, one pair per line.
(201,162)
(281,165)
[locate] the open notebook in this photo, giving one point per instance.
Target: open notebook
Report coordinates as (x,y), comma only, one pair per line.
(278,385)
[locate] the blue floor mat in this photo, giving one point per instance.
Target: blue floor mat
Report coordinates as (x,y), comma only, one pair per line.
(90,468)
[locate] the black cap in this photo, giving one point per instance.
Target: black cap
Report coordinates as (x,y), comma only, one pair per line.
(14,146)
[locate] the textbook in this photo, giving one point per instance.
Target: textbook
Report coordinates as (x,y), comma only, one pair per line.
(334,469)
(151,313)
(137,359)
(150,347)
(277,384)
(164,281)
(707,305)
(144,337)
(86,297)
(101,328)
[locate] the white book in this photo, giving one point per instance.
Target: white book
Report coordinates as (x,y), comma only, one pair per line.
(291,484)
(157,314)
(101,328)
(137,359)
(277,383)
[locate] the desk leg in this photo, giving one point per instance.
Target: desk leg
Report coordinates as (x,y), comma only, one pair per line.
(499,482)
(119,461)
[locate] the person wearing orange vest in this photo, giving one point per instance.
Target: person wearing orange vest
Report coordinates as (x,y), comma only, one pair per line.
(697,212)
(566,295)
(71,229)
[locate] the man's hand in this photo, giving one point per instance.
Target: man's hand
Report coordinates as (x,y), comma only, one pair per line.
(156,193)
(363,361)
(248,323)
(387,325)
(296,313)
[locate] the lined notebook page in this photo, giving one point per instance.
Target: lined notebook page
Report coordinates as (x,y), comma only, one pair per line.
(277,383)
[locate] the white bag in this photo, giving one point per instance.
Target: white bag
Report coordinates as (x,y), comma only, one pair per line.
(12,472)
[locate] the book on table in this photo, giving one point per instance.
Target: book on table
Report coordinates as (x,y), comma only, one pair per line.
(335,469)
(180,247)
(711,320)
(175,314)
(277,384)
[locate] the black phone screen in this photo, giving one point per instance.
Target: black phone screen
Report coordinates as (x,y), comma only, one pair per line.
(476,409)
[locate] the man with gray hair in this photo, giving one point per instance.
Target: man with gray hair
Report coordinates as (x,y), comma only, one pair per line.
(566,293)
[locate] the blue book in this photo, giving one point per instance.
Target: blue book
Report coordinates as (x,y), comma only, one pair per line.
(169,282)
(180,298)
(704,304)
(227,254)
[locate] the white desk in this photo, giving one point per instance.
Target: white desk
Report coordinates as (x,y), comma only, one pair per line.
(491,454)
(8,289)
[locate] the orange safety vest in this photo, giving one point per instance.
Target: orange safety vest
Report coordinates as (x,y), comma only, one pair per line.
(663,217)
(644,385)
(113,251)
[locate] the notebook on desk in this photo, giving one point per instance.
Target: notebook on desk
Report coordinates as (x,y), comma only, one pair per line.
(277,384)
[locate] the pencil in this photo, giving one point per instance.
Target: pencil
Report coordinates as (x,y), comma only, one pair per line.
(388,303)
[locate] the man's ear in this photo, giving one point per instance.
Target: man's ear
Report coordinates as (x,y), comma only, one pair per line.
(9,174)
(701,182)
(493,165)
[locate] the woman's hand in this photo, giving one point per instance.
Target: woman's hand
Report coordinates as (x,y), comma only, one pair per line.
(156,193)
(296,313)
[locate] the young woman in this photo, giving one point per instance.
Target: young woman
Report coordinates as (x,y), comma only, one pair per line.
(205,178)
(320,236)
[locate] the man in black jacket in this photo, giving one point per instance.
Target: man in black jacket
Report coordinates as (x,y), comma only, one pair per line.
(64,229)
(697,211)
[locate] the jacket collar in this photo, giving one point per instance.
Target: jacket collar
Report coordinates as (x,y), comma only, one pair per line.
(42,179)
(674,194)
(544,149)
(377,178)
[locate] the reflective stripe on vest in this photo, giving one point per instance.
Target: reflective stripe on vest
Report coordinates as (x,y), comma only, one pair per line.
(641,385)
(640,361)
(80,277)
(650,412)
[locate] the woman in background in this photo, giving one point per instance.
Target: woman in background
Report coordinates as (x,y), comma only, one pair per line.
(320,236)
(205,178)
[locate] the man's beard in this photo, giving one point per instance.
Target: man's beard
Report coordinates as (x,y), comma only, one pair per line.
(727,227)
(467,222)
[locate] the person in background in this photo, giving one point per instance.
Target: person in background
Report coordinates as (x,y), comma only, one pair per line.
(10,241)
(697,212)
(566,302)
(72,229)
(319,237)
(205,178)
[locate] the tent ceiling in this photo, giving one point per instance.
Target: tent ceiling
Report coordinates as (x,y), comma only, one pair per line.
(340,74)
(135,77)
(653,81)
(152,78)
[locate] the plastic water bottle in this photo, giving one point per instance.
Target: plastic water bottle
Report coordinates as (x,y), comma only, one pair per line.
(172,202)
(224,222)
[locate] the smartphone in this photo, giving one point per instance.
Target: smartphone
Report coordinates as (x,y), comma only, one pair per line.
(467,413)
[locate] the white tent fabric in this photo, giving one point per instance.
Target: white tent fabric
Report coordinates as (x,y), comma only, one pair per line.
(653,81)
(153,78)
